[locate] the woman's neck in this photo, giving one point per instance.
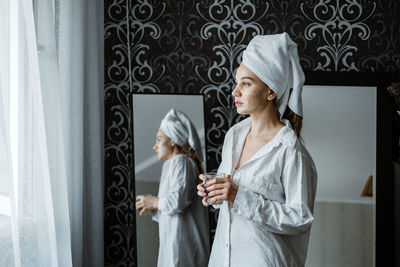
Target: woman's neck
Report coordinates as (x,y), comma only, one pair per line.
(175,152)
(265,122)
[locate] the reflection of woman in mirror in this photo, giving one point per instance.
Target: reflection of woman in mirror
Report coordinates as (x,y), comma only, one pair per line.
(183,221)
(267,211)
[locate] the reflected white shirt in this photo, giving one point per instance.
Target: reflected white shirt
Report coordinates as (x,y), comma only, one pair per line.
(182,219)
(269,222)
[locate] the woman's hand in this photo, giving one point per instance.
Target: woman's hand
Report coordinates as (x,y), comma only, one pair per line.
(217,189)
(145,204)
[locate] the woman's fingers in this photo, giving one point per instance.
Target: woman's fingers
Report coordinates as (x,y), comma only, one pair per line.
(213,190)
(210,182)
(142,211)
(216,193)
(203,192)
(204,201)
(217,186)
(215,199)
(139,202)
(219,180)
(207,201)
(139,205)
(200,187)
(214,196)
(202,176)
(200,190)
(214,184)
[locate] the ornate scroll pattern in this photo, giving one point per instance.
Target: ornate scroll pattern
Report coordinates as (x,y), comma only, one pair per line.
(338,24)
(229,25)
(142,25)
(383,46)
(125,27)
(116,78)
(286,16)
(179,50)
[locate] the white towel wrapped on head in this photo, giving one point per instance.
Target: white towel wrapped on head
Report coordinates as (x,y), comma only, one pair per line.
(274,59)
(177,126)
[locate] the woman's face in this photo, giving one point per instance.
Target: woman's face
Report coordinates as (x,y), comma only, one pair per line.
(251,93)
(164,146)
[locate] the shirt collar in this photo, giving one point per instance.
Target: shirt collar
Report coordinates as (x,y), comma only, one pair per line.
(285,135)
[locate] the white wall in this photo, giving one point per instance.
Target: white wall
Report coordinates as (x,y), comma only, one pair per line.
(340,133)
(148,111)
(147,230)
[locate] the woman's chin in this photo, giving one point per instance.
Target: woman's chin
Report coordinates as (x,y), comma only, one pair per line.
(241,111)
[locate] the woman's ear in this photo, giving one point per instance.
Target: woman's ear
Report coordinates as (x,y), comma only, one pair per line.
(271,94)
(172,143)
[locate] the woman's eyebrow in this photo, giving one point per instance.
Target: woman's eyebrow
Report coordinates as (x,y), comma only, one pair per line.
(249,78)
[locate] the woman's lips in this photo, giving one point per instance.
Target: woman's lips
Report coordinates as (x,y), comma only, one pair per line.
(238,104)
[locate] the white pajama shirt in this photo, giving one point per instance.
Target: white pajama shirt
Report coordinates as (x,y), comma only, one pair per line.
(269,222)
(182,218)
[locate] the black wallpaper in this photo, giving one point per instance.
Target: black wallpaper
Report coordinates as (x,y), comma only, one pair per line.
(189,46)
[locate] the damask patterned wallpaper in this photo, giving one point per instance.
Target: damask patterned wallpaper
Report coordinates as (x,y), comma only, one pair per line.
(188,46)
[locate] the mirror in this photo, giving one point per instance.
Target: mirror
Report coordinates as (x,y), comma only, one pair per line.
(340,133)
(148,112)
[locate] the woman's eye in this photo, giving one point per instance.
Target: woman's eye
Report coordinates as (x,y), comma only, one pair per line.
(246,84)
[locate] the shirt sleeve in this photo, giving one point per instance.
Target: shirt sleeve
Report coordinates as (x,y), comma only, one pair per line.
(155,217)
(182,187)
(295,214)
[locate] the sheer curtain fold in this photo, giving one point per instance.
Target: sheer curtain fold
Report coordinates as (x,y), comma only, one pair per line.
(51,209)
(93,139)
(29,190)
(82,36)
(7,246)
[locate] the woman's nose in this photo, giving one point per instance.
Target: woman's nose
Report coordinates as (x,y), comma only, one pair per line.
(235,92)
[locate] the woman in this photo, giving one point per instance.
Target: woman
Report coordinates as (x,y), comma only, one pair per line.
(268,198)
(183,221)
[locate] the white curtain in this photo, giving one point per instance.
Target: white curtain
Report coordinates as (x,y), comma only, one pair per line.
(80,45)
(51,132)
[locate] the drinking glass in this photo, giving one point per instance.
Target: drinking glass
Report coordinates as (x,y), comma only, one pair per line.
(212,175)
